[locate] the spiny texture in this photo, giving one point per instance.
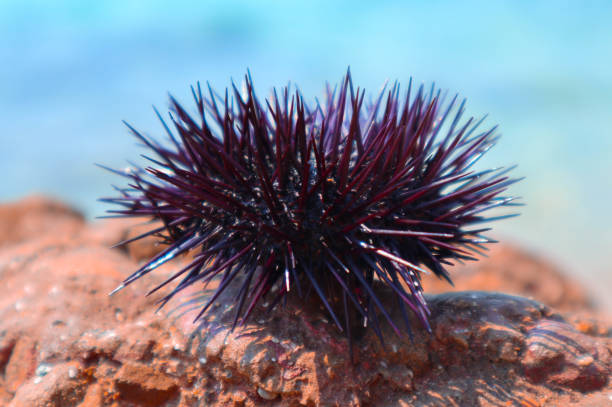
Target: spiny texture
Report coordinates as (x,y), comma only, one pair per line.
(283,198)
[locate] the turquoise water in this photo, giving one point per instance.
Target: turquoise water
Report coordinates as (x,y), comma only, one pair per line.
(72,71)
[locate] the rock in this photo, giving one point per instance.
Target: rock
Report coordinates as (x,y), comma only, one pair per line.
(64,341)
(94,396)
(22,363)
(141,384)
(559,355)
(145,248)
(110,232)
(63,386)
(514,271)
(36,216)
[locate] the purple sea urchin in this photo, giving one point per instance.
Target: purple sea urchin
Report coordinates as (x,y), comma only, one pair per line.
(281,197)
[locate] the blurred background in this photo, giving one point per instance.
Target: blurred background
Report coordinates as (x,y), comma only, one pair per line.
(70,71)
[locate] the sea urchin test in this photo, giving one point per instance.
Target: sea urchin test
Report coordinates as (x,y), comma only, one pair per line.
(320,201)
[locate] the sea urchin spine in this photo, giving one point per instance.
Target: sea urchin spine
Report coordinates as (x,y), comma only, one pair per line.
(285,198)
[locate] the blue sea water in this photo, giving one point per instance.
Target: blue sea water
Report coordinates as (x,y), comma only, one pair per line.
(70,71)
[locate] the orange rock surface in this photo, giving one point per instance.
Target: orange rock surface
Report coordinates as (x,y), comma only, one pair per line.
(65,342)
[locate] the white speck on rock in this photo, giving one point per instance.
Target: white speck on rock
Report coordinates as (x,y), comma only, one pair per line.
(109,334)
(43,369)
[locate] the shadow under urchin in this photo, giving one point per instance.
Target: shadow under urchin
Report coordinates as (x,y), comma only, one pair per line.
(286,198)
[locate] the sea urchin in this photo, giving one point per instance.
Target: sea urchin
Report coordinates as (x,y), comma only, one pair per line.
(283,197)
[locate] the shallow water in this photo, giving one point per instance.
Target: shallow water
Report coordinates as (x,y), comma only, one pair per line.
(72,72)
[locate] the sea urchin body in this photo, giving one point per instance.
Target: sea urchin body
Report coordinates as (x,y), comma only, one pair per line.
(285,198)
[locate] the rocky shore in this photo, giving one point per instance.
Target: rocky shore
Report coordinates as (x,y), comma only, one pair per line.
(513,331)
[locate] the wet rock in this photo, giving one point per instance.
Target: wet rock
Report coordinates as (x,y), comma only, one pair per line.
(94,396)
(265,394)
(7,344)
(36,216)
(64,340)
(558,354)
(139,383)
(145,248)
(22,363)
(137,344)
(63,386)
(95,344)
(510,270)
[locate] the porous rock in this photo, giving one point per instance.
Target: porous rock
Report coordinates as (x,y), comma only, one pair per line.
(63,386)
(517,271)
(35,216)
(64,341)
(141,383)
